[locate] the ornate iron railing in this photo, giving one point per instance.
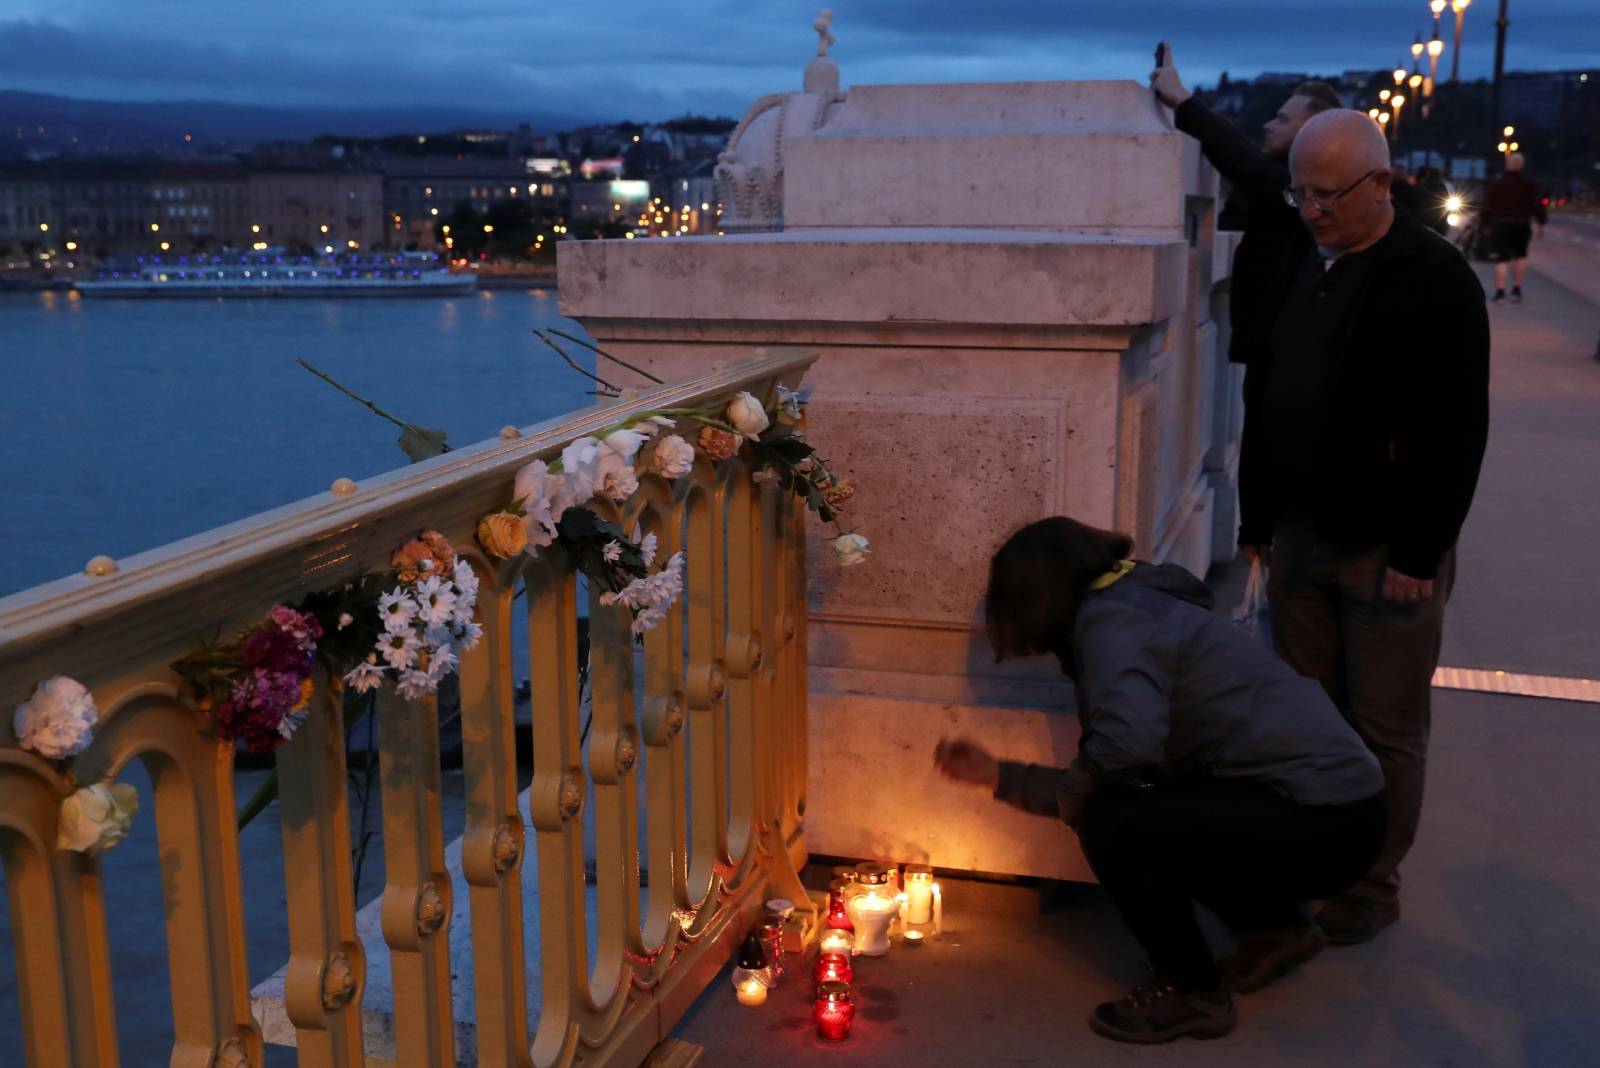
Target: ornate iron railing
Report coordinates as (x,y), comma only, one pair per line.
(720,713)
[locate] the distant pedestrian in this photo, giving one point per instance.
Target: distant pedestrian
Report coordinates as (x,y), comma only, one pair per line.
(1362,445)
(1259,173)
(1512,203)
(1207,771)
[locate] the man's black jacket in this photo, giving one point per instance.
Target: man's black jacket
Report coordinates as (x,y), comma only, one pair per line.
(1273,233)
(1406,414)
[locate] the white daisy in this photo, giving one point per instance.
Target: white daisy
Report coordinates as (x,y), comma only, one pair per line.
(415,684)
(436,600)
(397,610)
(399,648)
(365,676)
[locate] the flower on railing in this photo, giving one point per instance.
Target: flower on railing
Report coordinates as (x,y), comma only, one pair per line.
(58,720)
(257,685)
(96,817)
(424,620)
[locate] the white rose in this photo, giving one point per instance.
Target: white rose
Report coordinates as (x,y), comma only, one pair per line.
(852,549)
(673,458)
(58,720)
(747,416)
(614,477)
(96,817)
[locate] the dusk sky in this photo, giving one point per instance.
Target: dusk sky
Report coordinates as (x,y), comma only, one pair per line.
(628,58)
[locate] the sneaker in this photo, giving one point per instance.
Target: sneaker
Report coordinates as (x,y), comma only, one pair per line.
(1264,957)
(1499,296)
(1516,294)
(1350,919)
(1156,1011)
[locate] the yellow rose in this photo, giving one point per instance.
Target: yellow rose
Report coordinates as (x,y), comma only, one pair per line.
(96,817)
(502,534)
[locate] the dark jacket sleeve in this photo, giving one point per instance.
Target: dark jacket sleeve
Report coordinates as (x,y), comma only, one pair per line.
(1241,161)
(1441,424)
(1047,791)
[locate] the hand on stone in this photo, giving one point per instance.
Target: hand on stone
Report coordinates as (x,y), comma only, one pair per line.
(968,762)
(1169,88)
(1403,589)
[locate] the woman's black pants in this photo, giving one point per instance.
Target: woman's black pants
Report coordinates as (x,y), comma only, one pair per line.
(1239,848)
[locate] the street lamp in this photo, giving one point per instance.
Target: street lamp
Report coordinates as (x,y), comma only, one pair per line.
(1416,47)
(1460,8)
(1399,76)
(1384,95)
(1397,102)
(1437,7)
(1508,131)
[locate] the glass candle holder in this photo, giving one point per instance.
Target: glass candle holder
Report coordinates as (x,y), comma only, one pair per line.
(838,942)
(750,973)
(919,893)
(833,968)
(834,1011)
(838,915)
(770,931)
(871,912)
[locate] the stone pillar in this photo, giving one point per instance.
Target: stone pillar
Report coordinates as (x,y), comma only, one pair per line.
(1011,289)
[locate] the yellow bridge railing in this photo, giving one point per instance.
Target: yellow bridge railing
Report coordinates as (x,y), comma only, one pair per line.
(718,711)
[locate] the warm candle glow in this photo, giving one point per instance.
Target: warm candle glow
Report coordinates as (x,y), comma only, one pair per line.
(914,939)
(834,968)
(838,942)
(938,909)
(872,911)
(751,992)
(834,1011)
(919,893)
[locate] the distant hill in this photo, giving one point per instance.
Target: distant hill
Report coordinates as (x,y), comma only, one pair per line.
(93,126)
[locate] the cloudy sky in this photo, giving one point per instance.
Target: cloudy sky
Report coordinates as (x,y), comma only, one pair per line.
(617,58)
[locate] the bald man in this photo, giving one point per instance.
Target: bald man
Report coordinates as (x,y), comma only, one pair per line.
(1511,205)
(1363,438)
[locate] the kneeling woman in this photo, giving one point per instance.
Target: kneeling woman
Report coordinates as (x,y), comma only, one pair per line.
(1207,771)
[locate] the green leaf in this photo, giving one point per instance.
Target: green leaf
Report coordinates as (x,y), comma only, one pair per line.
(265,795)
(422,443)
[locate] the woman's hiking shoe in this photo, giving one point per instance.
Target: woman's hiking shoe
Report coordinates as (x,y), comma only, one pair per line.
(1156,1011)
(1350,919)
(1264,957)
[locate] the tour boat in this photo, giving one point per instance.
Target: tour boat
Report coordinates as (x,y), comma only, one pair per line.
(274,274)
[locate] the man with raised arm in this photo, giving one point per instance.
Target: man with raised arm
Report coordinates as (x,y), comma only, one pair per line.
(1259,174)
(1362,446)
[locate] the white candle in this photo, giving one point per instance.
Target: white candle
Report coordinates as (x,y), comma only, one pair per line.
(919,896)
(751,992)
(938,909)
(835,941)
(872,912)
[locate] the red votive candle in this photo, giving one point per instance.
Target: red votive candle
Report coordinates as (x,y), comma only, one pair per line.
(833,968)
(838,917)
(834,1011)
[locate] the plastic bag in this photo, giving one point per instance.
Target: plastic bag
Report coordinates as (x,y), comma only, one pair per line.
(1254,614)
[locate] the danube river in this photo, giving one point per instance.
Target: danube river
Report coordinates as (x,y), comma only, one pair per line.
(126,424)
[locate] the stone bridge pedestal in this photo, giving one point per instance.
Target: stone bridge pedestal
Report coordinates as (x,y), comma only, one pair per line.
(1012,288)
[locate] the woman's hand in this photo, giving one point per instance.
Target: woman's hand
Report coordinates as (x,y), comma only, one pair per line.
(967,762)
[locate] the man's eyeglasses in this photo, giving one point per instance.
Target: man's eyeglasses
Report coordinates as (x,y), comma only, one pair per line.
(1300,198)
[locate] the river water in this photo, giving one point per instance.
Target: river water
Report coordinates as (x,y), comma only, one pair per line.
(126,424)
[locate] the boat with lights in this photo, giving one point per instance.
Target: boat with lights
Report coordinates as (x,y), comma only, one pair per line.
(276,274)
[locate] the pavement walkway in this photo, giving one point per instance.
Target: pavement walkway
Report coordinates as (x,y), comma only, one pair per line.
(1497,959)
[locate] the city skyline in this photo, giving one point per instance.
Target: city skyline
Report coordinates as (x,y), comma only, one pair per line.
(709,56)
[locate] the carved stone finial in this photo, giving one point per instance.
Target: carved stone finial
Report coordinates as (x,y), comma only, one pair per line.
(824,27)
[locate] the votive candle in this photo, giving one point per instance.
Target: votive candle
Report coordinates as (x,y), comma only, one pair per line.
(834,1011)
(838,941)
(938,909)
(751,991)
(834,968)
(919,893)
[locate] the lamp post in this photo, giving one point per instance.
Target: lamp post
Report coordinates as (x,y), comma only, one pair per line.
(1397,102)
(1435,50)
(1460,8)
(1500,26)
